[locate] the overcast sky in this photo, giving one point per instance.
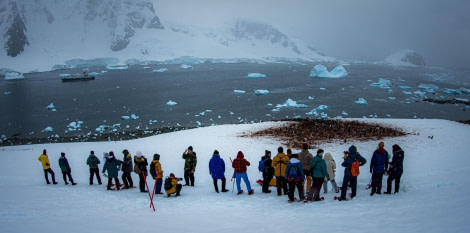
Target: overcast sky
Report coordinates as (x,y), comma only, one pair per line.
(367,30)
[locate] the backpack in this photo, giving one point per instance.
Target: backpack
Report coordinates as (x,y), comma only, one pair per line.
(167,184)
(293,174)
(261,166)
(355,168)
(153,172)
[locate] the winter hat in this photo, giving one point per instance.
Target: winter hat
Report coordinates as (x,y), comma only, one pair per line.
(44,151)
(240,154)
(62,154)
(280,149)
(267,152)
(190,148)
(92,152)
(138,154)
(305,146)
(156,157)
(320,152)
(289,151)
(172,175)
(125,151)
(216,152)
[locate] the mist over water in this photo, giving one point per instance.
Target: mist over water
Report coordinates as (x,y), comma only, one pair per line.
(205,96)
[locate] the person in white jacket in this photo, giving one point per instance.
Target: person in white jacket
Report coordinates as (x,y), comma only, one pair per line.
(331,168)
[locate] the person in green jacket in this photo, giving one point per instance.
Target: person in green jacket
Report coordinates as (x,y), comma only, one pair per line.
(66,170)
(190,162)
(319,173)
(112,165)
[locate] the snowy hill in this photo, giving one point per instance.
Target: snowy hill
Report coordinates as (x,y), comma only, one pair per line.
(405,57)
(44,34)
(431,198)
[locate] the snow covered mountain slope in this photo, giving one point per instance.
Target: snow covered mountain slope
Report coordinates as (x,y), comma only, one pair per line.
(43,34)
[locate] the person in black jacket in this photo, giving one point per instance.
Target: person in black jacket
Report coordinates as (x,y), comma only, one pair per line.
(268,172)
(127,169)
(350,157)
(395,169)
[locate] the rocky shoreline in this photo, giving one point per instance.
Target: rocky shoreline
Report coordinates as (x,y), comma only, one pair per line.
(293,134)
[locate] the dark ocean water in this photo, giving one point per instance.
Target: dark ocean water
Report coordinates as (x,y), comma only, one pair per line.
(205,96)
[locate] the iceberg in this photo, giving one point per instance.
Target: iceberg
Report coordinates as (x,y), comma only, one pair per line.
(256,75)
(320,71)
(171,103)
(47,129)
(131,117)
(261,92)
(117,67)
(465,90)
(13,75)
(361,101)
(160,70)
(184,66)
(291,103)
(382,83)
(430,88)
(239,91)
(452,91)
(321,108)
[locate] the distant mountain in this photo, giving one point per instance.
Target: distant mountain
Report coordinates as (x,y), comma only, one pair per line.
(41,34)
(405,57)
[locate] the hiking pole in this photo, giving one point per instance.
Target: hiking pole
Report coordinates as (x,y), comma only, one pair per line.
(148,191)
(233,176)
(154,186)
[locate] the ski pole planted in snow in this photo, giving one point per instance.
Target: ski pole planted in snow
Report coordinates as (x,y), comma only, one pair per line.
(151,201)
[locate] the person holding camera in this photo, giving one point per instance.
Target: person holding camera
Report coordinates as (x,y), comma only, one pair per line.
(175,187)
(350,157)
(190,162)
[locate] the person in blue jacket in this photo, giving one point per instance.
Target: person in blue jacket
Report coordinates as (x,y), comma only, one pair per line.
(378,165)
(217,170)
(112,165)
(351,156)
(295,177)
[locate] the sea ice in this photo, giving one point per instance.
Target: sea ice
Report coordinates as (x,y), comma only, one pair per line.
(256,75)
(452,91)
(184,66)
(131,117)
(239,91)
(47,129)
(320,71)
(430,88)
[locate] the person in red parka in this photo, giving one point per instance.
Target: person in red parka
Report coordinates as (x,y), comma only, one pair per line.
(240,164)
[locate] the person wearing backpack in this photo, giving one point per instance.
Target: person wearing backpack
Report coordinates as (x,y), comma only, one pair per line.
(378,165)
(157,173)
(172,186)
(351,157)
(217,171)
(240,166)
(305,157)
(295,177)
(331,168)
(268,171)
(395,169)
(140,167)
(279,163)
(93,162)
(319,173)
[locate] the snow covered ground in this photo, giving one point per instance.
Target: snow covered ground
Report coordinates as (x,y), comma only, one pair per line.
(433,196)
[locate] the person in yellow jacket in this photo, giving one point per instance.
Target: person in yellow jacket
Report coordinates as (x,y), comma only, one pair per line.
(156,167)
(175,187)
(279,163)
(46,165)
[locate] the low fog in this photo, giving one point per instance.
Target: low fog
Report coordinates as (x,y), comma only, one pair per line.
(367,30)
